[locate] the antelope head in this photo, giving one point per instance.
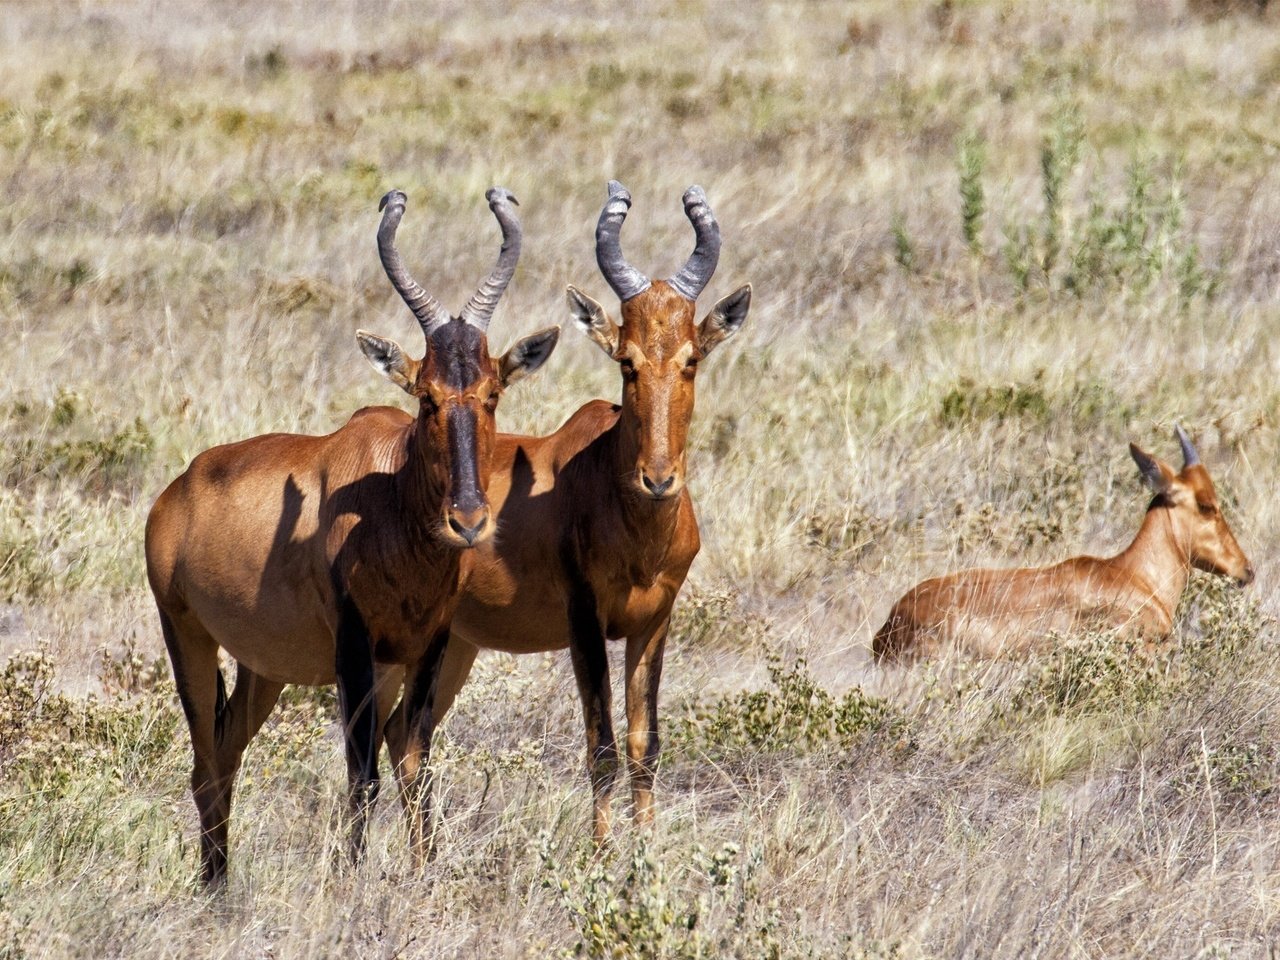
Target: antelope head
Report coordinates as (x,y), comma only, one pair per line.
(658,344)
(1197,519)
(457,383)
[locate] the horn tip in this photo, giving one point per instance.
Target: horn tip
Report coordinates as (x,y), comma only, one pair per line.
(694,195)
(1190,455)
(618,191)
(496,195)
(393,197)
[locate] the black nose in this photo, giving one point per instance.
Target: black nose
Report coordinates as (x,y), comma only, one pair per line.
(657,489)
(1248,576)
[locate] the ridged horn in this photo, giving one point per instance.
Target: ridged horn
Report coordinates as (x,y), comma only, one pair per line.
(697,271)
(1189,456)
(479,309)
(424,306)
(625,279)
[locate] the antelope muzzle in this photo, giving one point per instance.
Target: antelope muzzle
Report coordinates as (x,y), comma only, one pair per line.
(467,518)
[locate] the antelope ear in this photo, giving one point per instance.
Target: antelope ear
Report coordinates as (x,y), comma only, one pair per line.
(527,355)
(1158,475)
(725,319)
(389,360)
(591,319)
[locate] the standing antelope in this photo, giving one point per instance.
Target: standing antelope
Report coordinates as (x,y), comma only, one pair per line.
(993,612)
(596,527)
(311,559)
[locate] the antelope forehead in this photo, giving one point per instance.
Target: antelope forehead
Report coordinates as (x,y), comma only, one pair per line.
(658,350)
(456,355)
(1197,478)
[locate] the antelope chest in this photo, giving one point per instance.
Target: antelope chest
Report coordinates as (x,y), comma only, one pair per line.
(641,597)
(402,635)
(403,609)
(639,606)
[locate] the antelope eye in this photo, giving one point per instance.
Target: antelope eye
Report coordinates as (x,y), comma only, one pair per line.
(1208,509)
(428,403)
(492,402)
(628,369)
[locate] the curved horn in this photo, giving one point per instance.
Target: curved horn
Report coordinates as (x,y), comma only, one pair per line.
(1189,456)
(697,271)
(625,279)
(479,309)
(424,306)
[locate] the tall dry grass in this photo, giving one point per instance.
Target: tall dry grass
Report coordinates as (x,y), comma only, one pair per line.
(990,243)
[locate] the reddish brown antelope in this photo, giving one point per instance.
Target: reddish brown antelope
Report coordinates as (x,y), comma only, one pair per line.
(1001,612)
(311,559)
(596,527)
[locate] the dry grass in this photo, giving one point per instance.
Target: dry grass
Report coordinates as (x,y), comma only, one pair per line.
(990,243)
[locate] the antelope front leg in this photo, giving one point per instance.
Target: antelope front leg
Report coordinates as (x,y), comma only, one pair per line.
(354,664)
(591,670)
(644,672)
(414,767)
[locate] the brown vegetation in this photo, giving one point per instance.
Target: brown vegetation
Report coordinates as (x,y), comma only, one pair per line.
(985,253)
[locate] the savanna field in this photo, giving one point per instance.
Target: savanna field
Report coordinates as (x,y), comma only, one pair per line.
(990,244)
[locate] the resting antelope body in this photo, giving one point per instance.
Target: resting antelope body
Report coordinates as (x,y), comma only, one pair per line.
(311,559)
(596,527)
(998,612)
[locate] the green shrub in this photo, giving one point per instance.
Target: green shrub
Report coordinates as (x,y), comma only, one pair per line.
(795,716)
(706,617)
(48,740)
(971,158)
(1126,245)
(66,440)
(967,402)
(1095,670)
(711,907)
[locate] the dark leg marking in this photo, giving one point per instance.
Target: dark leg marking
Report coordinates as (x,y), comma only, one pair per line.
(354,666)
(419,705)
(591,669)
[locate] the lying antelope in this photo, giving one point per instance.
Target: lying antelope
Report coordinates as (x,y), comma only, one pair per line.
(597,528)
(311,559)
(993,612)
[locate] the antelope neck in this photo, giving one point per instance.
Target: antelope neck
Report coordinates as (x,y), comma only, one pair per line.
(624,447)
(1159,557)
(420,494)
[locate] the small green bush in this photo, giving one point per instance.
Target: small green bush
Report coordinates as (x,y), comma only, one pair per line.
(967,402)
(712,907)
(67,439)
(795,716)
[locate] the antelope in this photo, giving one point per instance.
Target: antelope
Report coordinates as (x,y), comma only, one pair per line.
(990,613)
(596,526)
(313,559)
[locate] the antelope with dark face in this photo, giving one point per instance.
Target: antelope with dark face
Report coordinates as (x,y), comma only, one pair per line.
(596,526)
(993,613)
(314,559)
